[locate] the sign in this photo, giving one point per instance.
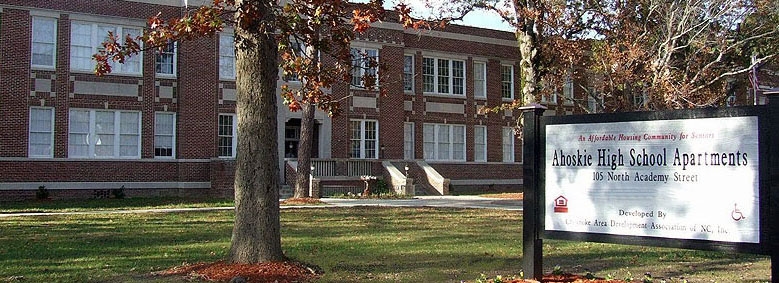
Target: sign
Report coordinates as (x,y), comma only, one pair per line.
(694,179)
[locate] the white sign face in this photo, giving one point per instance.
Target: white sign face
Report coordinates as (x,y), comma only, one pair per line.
(681,179)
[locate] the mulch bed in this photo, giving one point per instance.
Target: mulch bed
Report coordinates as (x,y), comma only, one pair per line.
(302,201)
(266,272)
(566,278)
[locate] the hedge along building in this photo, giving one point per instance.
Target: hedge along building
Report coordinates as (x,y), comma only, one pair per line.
(163,122)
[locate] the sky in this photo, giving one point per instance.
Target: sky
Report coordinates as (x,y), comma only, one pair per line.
(483,19)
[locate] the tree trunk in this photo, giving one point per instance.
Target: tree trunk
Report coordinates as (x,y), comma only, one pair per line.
(256,233)
(304,151)
(527,38)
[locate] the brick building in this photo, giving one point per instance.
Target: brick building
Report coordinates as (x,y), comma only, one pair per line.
(163,123)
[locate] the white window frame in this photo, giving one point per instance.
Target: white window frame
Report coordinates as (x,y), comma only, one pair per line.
(408,73)
(226,56)
(172,134)
(438,142)
(480,142)
(362,139)
(92,134)
(408,140)
(507,81)
(96,45)
(480,84)
(49,132)
(41,43)
(508,144)
(446,80)
(233,135)
(360,65)
(568,89)
(639,100)
(174,56)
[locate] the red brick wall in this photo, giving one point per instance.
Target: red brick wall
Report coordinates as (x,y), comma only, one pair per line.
(14,79)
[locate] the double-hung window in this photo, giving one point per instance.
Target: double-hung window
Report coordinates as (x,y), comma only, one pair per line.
(87,39)
(164,134)
(408,73)
(507,81)
(226,56)
(479,80)
(104,134)
(568,89)
(480,143)
(408,140)
(44,42)
(365,64)
(508,144)
(364,140)
(444,142)
(41,138)
(166,60)
(228,136)
(443,76)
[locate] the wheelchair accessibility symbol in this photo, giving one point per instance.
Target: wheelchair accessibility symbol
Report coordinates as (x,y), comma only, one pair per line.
(736,213)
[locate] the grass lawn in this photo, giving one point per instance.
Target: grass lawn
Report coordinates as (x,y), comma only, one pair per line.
(350,244)
(77,205)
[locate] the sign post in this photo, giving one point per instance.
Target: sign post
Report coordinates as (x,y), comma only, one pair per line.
(697,179)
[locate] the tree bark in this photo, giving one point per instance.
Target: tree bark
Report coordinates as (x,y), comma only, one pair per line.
(527,38)
(305,146)
(256,233)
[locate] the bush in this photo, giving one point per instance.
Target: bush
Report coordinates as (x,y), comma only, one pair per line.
(118,193)
(42,193)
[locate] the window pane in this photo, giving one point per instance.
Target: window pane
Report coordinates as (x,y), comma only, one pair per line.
(508,144)
(428,74)
(428,136)
(480,143)
(507,81)
(408,73)
(458,144)
(81,46)
(226,56)
(458,77)
(41,132)
(479,88)
(408,141)
(44,33)
(443,142)
(443,76)
(165,59)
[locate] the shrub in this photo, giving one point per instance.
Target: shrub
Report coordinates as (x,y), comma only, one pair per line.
(118,193)
(42,193)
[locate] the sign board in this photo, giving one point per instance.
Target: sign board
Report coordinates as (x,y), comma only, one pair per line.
(693,179)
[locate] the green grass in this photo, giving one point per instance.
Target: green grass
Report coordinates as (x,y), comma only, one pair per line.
(350,244)
(78,205)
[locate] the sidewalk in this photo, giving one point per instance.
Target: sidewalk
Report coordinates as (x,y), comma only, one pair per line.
(420,201)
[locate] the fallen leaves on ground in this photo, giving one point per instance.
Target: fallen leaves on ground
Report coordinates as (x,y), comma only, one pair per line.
(302,201)
(266,272)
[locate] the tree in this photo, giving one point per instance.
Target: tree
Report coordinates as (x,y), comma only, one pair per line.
(314,39)
(669,54)
(262,30)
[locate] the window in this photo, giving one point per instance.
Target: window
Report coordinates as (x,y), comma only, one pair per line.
(227,135)
(44,42)
(444,142)
(443,76)
(594,100)
(300,50)
(166,60)
(86,39)
(164,134)
(507,81)
(41,138)
(364,139)
(104,134)
(364,66)
(508,144)
(226,56)
(408,73)
(568,89)
(480,143)
(479,80)
(408,140)
(639,100)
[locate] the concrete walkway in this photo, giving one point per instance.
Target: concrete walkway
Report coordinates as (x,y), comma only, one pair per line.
(420,201)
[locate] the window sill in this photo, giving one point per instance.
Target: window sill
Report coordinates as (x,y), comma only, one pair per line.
(480,98)
(43,68)
(118,74)
(457,96)
(165,76)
